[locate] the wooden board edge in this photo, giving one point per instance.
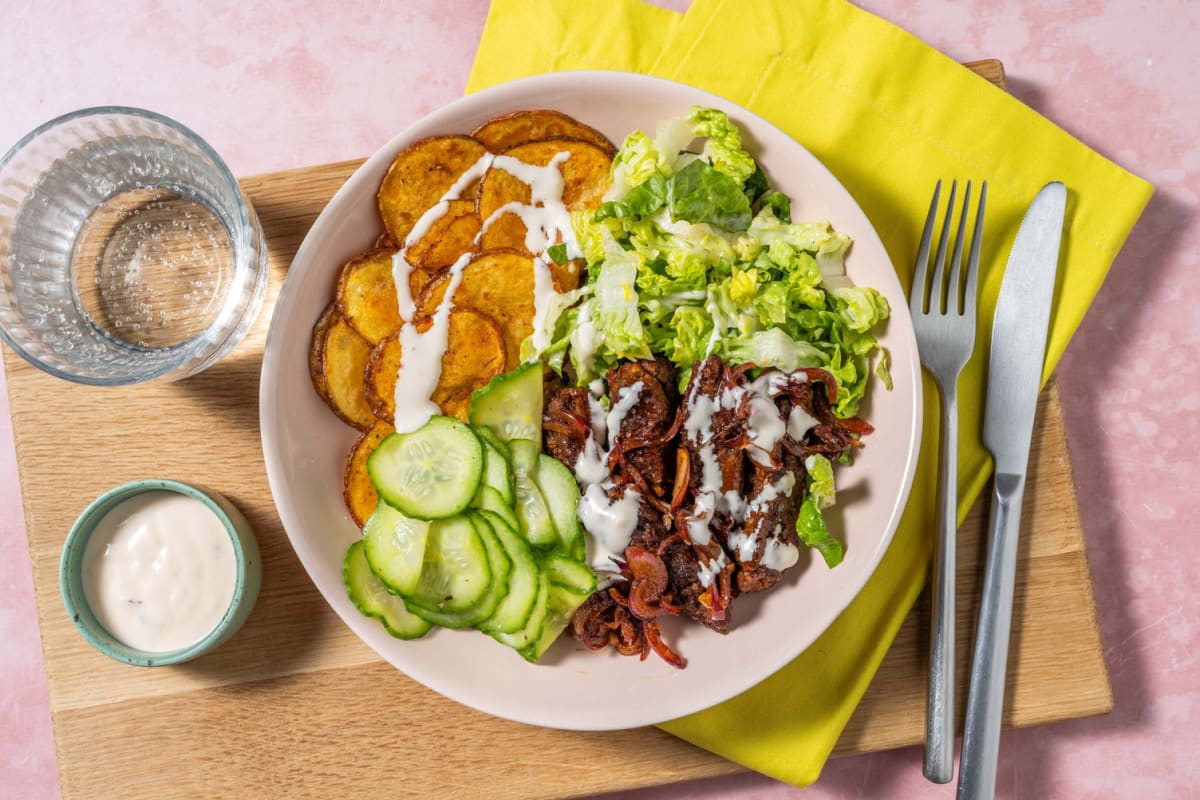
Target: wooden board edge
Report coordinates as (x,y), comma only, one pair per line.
(1055,407)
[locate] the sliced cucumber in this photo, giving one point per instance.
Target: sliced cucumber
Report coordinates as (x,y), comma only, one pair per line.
(532,511)
(372,598)
(394,546)
(531,633)
(511,404)
(490,500)
(570,574)
(430,473)
(500,566)
(497,470)
(561,493)
(514,610)
(560,608)
(488,436)
(456,573)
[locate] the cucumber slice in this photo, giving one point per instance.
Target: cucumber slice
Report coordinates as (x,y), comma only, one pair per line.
(497,470)
(570,574)
(490,500)
(532,631)
(430,473)
(456,573)
(560,608)
(511,404)
(394,546)
(488,436)
(532,511)
(561,493)
(500,566)
(514,610)
(372,598)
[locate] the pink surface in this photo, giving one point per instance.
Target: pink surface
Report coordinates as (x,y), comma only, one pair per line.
(282,85)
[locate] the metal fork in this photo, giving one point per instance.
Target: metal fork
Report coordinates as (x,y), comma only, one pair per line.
(943,312)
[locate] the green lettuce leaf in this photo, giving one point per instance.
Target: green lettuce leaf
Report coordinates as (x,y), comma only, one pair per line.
(615,305)
(641,201)
(820,480)
(780,204)
(773,348)
(810,527)
(723,144)
(701,193)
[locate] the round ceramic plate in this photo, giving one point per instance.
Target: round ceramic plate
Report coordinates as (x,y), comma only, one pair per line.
(305,445)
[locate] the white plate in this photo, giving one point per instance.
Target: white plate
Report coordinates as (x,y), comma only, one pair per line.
(305,445)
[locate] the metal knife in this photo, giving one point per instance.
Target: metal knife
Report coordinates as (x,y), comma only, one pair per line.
(1014,380)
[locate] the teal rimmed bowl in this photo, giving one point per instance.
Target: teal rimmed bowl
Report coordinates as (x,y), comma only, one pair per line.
(245,591)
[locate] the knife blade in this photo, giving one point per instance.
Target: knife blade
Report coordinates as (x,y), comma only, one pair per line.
(1017,358)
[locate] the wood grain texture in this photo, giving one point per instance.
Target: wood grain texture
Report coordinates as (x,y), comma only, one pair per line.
(296,706)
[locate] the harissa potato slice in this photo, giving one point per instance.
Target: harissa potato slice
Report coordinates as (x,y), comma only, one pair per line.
(316,352)
(419,176)
(358,491)
(585,180)
(498,283)
(500,133)
(380,378)
(448,238)
(366,295)
(475,353)
(343,363)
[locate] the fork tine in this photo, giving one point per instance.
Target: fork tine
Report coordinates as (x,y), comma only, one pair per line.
(919,290)
(973,259)
(954,290)
(937,291)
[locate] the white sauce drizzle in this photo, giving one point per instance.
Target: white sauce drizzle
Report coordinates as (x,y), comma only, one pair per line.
(799,423)
(610,523)
(546,220)
(778,554)
(707,571)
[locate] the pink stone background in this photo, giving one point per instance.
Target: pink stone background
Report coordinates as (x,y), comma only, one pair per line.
(274,85)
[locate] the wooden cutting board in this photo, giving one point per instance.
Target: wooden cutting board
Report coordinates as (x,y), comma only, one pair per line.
(296,705)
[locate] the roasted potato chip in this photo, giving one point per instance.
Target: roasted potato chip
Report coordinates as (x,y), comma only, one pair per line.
(419,278)
(384,242)
(358,491)
(475,353)
(497,283)
(380,378)
(585,180)
(448,238)
(500,133)
(343,363)
(419,176)
(366,295)
(316,353)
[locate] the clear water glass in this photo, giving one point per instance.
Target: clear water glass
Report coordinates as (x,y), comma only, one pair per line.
(127,250)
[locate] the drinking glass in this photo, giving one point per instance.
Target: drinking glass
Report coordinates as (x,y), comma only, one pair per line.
(127,250)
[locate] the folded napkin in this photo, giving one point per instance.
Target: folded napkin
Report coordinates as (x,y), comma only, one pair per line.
(888,115)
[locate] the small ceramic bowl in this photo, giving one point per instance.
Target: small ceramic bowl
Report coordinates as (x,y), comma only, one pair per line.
(245,548)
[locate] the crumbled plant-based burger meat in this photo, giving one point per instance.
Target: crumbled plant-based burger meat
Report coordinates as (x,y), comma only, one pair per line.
(719,471)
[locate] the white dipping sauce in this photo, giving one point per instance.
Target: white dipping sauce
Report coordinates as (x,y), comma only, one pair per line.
(159,571)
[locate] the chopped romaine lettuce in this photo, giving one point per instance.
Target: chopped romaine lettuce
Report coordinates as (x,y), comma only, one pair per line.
(810,527)
(694,254)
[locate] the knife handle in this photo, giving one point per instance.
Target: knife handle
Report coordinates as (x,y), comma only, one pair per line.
(985,697)
(939,705)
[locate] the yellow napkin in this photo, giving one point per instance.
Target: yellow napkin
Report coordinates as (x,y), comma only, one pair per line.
(889,116)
